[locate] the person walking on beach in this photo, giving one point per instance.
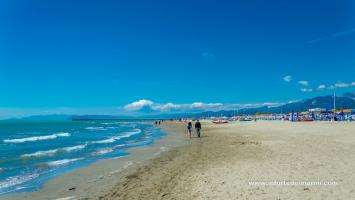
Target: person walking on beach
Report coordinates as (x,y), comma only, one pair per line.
(198,128)
(189,129)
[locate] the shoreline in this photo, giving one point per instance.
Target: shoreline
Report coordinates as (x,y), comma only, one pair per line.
(83,182)
(224,163)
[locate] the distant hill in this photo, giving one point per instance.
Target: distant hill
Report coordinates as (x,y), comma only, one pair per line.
(45,118)
(350,94)
(327,102)
(49,118)
(98,117)
(346,101)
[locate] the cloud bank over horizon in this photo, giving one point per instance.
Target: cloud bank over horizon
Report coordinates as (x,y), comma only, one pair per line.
(138,108)
(147,106)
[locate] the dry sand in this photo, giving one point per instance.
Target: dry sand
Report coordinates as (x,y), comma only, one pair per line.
(221,164)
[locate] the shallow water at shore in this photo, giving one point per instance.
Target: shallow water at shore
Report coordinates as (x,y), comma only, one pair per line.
(33,152)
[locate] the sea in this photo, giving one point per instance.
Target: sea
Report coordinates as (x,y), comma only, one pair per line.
(31,153)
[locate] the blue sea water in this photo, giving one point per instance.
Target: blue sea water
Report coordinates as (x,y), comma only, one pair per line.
(33,152)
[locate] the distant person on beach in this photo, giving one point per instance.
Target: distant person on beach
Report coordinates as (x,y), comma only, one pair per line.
(156,123)
(189,129)
(198,128)
(159,122)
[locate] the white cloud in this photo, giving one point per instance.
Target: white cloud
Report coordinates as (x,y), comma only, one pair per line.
(293,101)
(166,107)
(287,78)
(193,107)
(322,87)
(342,85)
(138,105)
(201,104)
(305,83)
(196,106)
(306,90)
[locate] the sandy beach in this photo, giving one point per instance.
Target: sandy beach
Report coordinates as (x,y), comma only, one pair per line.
(225,160)
(240,160)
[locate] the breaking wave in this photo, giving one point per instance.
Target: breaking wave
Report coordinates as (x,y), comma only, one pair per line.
(54,151)
(16,180)
(62,162)
(116,138)
(102,151)
(37,138)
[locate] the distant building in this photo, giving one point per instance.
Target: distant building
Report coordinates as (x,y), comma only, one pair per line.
(345,111)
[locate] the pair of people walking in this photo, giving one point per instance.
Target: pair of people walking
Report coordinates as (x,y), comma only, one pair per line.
(198,128)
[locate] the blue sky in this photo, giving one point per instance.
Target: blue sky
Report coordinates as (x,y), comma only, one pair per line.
(86,56)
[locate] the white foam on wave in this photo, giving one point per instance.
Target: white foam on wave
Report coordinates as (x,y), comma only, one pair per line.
(54,151)
(99,128)
(74,148)
(37,138)
(40,153)
(102,151)
(111,127)
(115,138)
(108,123)
(129,134)
(62,162)
(16,180)
(120,146)
(110,140)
